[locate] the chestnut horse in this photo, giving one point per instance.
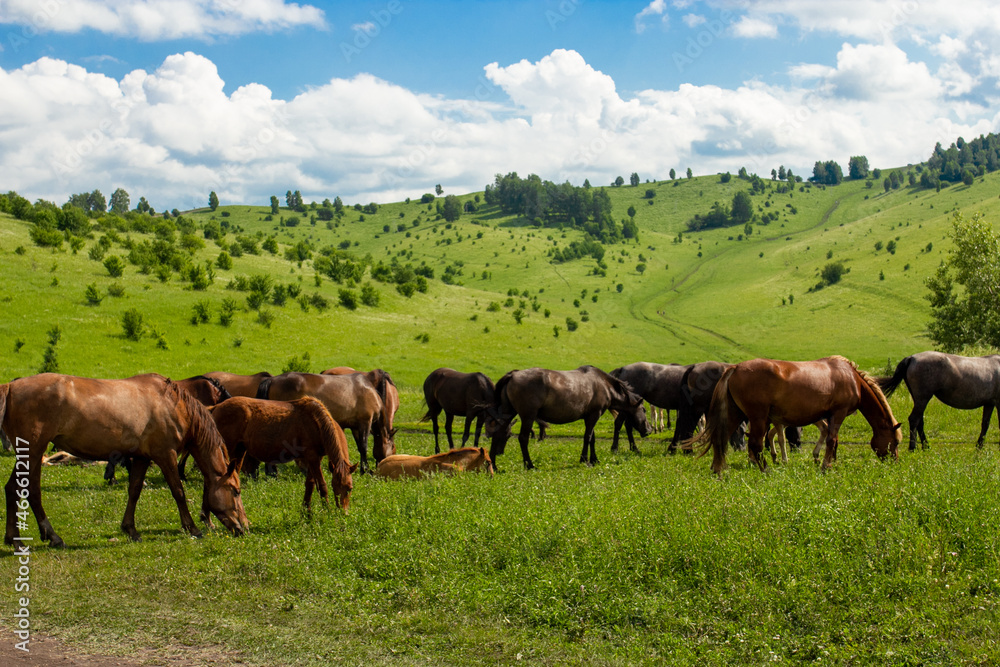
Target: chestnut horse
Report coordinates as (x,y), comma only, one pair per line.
(208,391)
(795,394)
(148,417)
(456,393)
(390,401)
(561,397)
(355,401)
(450,462)
(280,432)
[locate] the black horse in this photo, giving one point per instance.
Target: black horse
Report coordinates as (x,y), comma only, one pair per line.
(965,383)
(561,397)
(657,383)
(697,385)
(456,393)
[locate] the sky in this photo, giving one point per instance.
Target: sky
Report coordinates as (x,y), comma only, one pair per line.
(380,101)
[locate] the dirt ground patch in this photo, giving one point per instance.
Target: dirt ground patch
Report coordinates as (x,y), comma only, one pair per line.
(51,652)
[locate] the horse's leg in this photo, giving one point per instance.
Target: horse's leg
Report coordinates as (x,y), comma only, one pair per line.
(755,442)
(168,465)
(631,438)
(522,438)
(449,421)
(434,425)
(182,465)
(361,440)
(783,444)
(109,472)
(619,420)
(916,421)
(136,476)
(667,412)
(10,497)
(832,439)
(987,415)
(321,483)
(769,439)
(468,428)
(590,439)
(479,428)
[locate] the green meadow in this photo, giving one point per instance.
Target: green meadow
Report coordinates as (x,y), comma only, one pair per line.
(643,559)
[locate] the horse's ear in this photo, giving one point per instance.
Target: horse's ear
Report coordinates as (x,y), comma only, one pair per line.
(352,468)
(897,427)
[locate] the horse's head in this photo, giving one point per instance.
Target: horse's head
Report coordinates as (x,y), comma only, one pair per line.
(635,413)
(481,461)
(223,497)
(886,441)
(342,484)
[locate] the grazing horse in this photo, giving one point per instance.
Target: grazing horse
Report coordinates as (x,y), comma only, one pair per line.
(965,383)
(465,394)
(794,435)
(561,397)
(208,391)
(149,417)
(795,394)
(697,386)
(280,432)
(450,462)
(390,401)
(355,401)
(656,383)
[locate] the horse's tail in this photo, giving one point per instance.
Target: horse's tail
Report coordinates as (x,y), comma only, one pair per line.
(4,393)
(264,388)
(889,384)
(716,433)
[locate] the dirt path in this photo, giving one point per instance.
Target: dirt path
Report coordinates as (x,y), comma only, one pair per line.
(50,652)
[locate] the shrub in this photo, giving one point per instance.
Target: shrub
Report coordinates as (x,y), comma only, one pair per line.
(297,364)
(93,295)
(227,310)
(201,312)
(224,261)
(116,290)
(832,272)
(571,324)
(348,299)
(406,289)
(115,266)
(96,252)
(265,317)
(133,324)
(370,295)
(319,302)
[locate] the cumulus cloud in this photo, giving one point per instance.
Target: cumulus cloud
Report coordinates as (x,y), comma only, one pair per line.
(752,28)
(654,8)
(160,19)
(173,133)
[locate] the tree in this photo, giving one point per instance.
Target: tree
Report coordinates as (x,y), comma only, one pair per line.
(673,174)
(452,208)
(438,189)
(586,184)
(213,200)
(275,205)
(634,179)
(631,211)
(742,210)
(690,174)
(143,206)
(781,173)
(726,177)
(120,202)
(619,182)
(969,315)
(857,167)
(774,174)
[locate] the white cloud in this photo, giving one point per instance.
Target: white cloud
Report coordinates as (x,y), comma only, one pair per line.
(173,134)
(367,27)
(753,28)
(654,8)
(160,19)
(693,20)
(949,48)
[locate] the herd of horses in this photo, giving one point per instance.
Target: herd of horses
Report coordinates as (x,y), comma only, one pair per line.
(231,423)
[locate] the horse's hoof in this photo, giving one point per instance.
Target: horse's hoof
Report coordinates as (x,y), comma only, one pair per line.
(57,543)
(8,540)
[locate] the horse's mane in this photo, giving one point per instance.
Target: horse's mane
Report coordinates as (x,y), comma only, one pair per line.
(215,383)
(202,434)
(327,433)
(870,381)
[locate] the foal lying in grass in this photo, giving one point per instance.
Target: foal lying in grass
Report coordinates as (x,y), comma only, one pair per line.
(450,462)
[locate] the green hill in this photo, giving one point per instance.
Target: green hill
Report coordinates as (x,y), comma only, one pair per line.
(702,295)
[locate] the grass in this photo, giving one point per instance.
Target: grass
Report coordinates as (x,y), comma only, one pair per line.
(645,559)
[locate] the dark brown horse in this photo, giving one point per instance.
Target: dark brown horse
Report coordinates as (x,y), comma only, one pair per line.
(561,397)
(658,384)
(239,385)
(965,383)
(788,393)
(280,432)
(697,386)
(355,401)
(147,417)
(208,391)
(456,393)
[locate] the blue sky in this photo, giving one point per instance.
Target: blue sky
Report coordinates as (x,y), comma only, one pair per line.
(377,101)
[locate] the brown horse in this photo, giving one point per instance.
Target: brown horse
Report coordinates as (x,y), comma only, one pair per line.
(795,394)
(456,393)
(148,417)
(355,401)
(239,385)
(390,400)
(279,432)
(561,397)
(208,391)
(450,462)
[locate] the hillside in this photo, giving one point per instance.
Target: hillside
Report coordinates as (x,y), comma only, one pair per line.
(704,295)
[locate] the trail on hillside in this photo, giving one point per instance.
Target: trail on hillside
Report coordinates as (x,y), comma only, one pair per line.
(675,326)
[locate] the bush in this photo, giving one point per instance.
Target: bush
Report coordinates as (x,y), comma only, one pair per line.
(202,312)
(832,272)
(93,295)
(571,324)
(227,311)
(224,261)
(133,324)
(297,364)
(406,289)
(265,317)
(319,302)
(348,299)
(370,295)
(96,252)
(116,290)
(115,266)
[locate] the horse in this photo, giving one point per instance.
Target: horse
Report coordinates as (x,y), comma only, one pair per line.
(390,401)
(465,394)
(450,462)
(794,436)
(208,391)
(278,432)
(697,385)
(238,385)
(965,383)
(355,401)
(561,397)
(658,384)
(795,394)
(148,416)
